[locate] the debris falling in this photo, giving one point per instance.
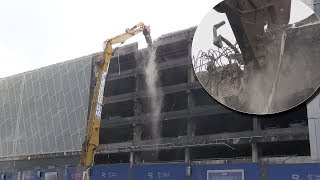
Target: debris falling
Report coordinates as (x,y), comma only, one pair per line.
(154,93)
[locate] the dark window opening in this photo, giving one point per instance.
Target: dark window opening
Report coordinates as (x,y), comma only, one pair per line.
(224,123)
(221,152)
(116,135)
(126,62)
(112,158)
(120,86)
(120,109)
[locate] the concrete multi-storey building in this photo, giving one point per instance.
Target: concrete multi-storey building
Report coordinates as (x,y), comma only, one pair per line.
(314,4)
(43,116)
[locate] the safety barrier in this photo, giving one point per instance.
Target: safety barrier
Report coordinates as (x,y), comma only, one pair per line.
(293,171)
(56,173)
(31,175)
(227,171)
(174,171)
(75,173)
(11,176)
(113,172)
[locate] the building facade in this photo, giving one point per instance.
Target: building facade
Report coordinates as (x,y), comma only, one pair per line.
(44,111)
(314,4)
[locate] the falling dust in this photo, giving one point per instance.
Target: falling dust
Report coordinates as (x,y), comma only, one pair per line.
(262,84)
(154,93)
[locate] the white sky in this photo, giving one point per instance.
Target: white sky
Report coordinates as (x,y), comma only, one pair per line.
(203,38)
(37,33)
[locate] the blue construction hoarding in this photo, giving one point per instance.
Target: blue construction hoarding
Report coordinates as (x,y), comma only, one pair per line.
(55,173)
(31,175)
(112,172)
(174,171)
(293,172)
(226,172)
(11,176)
(75,173)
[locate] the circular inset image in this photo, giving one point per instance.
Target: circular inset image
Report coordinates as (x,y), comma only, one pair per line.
(258,57)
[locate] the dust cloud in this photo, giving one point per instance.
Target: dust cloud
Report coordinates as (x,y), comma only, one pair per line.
(155,94)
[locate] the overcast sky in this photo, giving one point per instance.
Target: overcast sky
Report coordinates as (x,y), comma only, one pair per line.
(36,33)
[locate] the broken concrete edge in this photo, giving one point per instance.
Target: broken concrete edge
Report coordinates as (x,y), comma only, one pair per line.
(126,49)
(186,34)
(309,20)
(231,138)
(263,160)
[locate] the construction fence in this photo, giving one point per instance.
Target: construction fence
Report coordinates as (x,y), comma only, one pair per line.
(175,171)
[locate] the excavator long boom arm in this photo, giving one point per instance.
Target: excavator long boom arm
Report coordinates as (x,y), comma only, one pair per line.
(91,141)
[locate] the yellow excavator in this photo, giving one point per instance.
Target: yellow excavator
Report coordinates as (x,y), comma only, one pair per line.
(91,141)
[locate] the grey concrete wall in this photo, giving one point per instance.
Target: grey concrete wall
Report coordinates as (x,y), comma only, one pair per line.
(308,2)
(314,107)
(45,110)
(314,127)
(316,6)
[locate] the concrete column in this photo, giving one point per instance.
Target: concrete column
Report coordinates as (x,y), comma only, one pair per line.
(191,78)
(255,156)
(190,133)
(131,159)
(256,123)
(254,146)
(190,125)
(313,109)
(187,155)
(137,131)
(137,128)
